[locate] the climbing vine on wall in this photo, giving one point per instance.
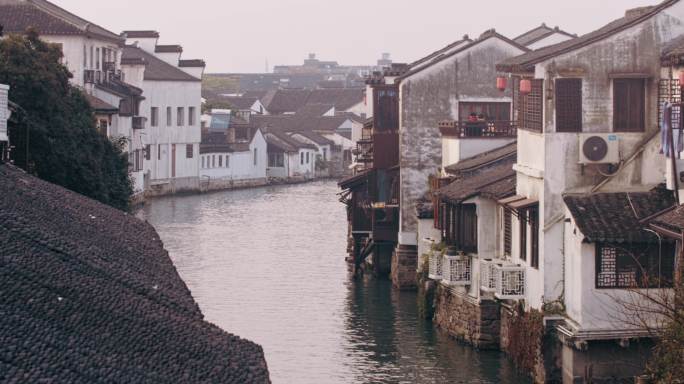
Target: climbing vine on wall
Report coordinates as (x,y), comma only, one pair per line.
(525,339)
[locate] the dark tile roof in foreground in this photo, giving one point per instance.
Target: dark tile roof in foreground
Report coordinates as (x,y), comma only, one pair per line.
(495,182)
(526,61)
(91,296)
(155,68)
(49,19)
(615,217)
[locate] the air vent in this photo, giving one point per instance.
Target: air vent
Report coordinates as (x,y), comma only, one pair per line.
(599,149)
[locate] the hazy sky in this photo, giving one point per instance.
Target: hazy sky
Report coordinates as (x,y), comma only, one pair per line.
(240,35)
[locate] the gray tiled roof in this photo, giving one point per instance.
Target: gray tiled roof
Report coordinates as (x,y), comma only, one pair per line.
(526,61)
(49,19)
(615,217)
(155,68)
(494,182)
(483,159)
(539,33)
(90,295)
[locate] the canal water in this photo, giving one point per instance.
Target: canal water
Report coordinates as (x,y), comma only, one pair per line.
(268,264)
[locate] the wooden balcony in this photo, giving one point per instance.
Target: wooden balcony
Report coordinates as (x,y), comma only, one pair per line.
(139,122)
(479,129)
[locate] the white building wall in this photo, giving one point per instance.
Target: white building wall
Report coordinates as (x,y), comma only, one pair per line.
(173,94)
(74,48)
(240,165)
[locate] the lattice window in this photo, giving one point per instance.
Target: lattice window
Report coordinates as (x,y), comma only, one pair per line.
(669,90)
(530,112)
(457,270)
(634,265)
(510,282)
(568,105)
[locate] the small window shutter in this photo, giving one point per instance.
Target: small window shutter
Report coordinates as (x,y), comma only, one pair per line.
(628,105)
(569,105)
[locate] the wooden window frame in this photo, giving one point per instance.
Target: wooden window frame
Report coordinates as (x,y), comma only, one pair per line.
(507,231)
(533,213)
(632,117)
(569,105)
(522,222)
(531,107)
(628,269)
(189,151)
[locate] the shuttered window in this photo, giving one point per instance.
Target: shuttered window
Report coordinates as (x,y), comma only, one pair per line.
(534,227)
(467,228)
(530,107)
(629,105)
(507,233)
(569,105)
(523,234)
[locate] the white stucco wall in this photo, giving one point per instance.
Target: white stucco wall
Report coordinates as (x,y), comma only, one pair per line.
(607,311)
(241,165)
(73,50)
(174,94)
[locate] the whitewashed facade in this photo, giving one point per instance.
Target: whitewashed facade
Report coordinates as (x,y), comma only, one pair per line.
(93,55)
(172,110)
(235,164)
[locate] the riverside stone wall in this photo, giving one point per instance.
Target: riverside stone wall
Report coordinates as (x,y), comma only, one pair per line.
(467,320)
(404,266)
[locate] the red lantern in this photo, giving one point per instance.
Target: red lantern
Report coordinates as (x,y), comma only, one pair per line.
(501,83)
(681,79)
(525,86)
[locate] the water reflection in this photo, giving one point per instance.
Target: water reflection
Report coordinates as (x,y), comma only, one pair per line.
(268,264)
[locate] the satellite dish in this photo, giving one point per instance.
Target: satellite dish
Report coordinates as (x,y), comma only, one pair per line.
(595,148)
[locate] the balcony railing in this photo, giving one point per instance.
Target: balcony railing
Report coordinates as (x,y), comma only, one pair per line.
(510,282)
(488,275)
(435,265)
(457,270)
(139,122)
(479,129)
(109,66)
(89,76)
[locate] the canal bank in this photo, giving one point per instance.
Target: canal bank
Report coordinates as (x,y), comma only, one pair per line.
(268,263)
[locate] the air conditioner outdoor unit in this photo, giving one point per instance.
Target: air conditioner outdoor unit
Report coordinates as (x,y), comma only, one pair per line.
(599,148)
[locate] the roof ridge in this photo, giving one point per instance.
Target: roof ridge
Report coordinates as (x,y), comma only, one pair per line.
(486,35)
(586,39)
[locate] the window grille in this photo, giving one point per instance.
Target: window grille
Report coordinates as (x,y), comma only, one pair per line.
(510,282)
(568,105)
(457,270)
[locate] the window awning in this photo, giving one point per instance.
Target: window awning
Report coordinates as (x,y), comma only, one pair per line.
(511,199)
(523,204)
(518,203)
